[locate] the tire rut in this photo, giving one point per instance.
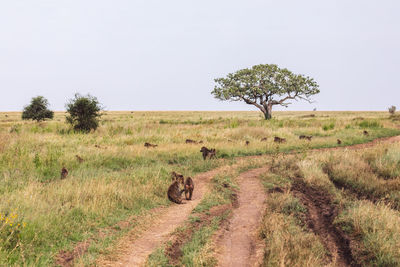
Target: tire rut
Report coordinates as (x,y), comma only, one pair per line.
(135,252)
(320,216)
(239,242)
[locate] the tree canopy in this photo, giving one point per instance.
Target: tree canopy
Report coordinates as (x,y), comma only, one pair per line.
(37,110)
(84,112)
(264,86)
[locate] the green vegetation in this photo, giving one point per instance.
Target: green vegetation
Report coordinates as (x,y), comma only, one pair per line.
(84,113)
(119,178)
(360,187)
(37,110)
(265,86)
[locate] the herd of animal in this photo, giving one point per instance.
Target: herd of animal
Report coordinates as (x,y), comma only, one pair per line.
(178,181)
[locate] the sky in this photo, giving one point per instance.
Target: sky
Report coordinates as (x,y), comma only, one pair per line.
(165,55)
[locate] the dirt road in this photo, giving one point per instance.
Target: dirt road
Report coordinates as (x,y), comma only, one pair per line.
(239,243)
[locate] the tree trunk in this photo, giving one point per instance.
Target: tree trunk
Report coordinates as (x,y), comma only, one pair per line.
(268,112)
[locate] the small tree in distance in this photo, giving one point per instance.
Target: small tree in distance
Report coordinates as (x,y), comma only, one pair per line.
(84,113)
(37,110)
(265,86)
(392,110)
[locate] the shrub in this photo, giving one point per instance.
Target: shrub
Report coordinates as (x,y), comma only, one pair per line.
(37,110)
(328,127)
(370,124)
(84,113)
(392,110)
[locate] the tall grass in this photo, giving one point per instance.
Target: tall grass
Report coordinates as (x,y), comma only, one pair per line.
(119,177)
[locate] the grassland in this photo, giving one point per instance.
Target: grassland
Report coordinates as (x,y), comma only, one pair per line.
(362,208)
(121,180)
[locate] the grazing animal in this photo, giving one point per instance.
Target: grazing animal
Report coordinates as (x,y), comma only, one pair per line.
(148,145)
(230,141)
(79,158)
(309,137)
(302,137)
(174,193)
(247,142)
(365,133)
(97,146)
(190,141)
(264,139)
(210,153)
(189,187)
(64,173)
(339,142)
(176,176)
(279,140)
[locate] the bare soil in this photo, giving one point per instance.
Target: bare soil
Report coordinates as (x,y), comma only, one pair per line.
(239,242)
(320,216)
(174,250)
(135,252)
(66,258)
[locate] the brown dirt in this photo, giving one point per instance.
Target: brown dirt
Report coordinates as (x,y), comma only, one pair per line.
(239,243)
(135,252)
(174,250)
(320,216)
(66,258)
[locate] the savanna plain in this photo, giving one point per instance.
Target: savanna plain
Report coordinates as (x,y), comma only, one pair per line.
(324,202)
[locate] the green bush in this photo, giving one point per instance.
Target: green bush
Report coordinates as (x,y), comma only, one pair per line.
(84,113)
(37,110)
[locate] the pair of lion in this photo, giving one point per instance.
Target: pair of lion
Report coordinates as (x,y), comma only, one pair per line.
(174,191)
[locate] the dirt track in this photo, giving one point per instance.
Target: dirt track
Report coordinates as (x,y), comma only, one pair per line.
(320,215)
(135,252)
(239,243)
(239,240)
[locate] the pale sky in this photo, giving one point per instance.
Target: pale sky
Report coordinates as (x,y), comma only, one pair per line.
(164,55)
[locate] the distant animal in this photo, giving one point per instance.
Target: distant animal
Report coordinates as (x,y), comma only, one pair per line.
(188,188)
(174,193)
(279,140)
(264,139)
(148,145)
(97,146)
(79,158)
(175,176)
(6,115)
(230,141)
(208,153)
(339,142)
(247,142)
(190,141)
(365,133)
(308,137)
(64,173)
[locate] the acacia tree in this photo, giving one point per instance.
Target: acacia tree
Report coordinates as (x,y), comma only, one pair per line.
(265,86)
(37,110)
